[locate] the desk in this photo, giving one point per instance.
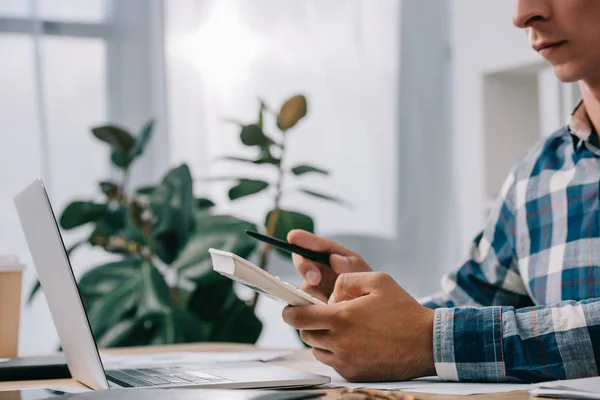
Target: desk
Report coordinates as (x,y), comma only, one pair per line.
(299,355)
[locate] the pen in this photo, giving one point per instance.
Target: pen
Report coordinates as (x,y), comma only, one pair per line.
(321,258)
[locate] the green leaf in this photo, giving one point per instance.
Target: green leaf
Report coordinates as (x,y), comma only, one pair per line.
(125,333)
(259,161)
(202,203)
(155,300)
(222,232)
(110,292)
(36,287)
(142,140)
(80,213)
(74,246)
(287,221)
(253,135)
(323,196)
(129,304)
(247,187)
(267,160)
(155,296)
(304,169)
(147,190)
(150,330)
(110,189)
(119,139)
(110,224)
(119,160)
(172,203)
(189,329)
(232,320)
(260,115)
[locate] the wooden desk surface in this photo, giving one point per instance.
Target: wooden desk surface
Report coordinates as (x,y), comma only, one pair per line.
(300,355)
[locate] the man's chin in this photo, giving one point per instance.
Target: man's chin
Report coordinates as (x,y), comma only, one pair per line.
(567,73)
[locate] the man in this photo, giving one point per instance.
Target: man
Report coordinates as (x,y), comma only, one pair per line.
(525,306)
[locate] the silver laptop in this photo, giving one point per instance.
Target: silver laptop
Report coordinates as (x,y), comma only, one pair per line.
(80,350)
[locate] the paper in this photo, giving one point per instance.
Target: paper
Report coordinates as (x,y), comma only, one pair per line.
(436,386)
(431,385)
(585,388)
(123,361)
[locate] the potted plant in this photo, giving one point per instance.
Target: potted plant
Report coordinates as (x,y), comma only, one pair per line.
(161,289)
(269,151)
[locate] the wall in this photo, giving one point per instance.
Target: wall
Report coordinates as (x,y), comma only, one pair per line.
(511,123)
(484,42)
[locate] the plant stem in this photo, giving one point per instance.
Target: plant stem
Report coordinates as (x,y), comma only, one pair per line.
(272,220)
(124,185)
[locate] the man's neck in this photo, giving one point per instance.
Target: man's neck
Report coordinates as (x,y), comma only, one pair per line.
(590,91)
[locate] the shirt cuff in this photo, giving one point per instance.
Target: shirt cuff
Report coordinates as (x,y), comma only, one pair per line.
(467,344)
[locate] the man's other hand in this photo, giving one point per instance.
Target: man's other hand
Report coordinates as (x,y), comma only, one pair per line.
(319,280)
(371,330)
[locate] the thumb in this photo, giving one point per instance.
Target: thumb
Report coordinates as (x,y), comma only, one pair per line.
(351,286)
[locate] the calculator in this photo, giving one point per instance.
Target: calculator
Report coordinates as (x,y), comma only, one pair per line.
(244,272)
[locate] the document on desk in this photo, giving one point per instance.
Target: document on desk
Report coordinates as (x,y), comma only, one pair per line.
(585,388)
(431,385)
(123,361)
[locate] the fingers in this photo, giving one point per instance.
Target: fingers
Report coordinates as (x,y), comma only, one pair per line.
(352,286)
(315,243)
(315,292)
(342,260)
(312,317)
(325,356)
(317,339)
(310,270)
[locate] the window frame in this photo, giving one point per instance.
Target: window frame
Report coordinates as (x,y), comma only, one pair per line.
(133,31)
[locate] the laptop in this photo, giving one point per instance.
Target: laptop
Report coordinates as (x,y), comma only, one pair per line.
(72,324)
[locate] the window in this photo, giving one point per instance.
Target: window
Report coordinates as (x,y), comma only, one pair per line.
(67,66)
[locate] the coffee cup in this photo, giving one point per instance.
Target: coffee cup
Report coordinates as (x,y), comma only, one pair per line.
(11,278)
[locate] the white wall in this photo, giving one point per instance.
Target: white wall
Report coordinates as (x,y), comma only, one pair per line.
(484,42)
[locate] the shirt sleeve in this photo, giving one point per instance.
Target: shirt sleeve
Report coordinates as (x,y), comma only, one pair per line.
(490,275)
(504,344)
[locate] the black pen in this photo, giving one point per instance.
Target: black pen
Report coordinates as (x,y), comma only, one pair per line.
(321,258)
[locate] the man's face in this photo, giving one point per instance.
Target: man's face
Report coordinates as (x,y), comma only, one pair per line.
(565,32)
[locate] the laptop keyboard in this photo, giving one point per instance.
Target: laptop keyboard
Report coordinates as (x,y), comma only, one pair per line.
(159,377)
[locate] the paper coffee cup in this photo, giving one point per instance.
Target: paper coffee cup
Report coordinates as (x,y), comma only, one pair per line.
(11,278)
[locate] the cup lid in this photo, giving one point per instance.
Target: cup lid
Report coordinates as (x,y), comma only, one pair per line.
(10,262)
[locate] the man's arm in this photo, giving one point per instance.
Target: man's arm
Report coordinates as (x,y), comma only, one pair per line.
(490,276)
(508,339)
(497,344)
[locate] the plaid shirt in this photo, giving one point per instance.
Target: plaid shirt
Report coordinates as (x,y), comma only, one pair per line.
(525,306)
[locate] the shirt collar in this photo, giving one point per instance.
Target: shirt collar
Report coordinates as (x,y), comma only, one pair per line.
(579,125)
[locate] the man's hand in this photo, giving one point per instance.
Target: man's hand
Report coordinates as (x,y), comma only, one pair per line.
(371,330)
(319,280)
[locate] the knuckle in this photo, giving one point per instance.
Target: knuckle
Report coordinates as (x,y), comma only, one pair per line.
(343,347)
(344,317)
(381,277)
(304,335)
(291,316)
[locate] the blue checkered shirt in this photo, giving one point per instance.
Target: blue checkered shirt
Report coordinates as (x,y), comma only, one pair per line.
(525,306)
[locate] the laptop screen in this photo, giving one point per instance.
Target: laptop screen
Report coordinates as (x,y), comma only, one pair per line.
(59,285)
